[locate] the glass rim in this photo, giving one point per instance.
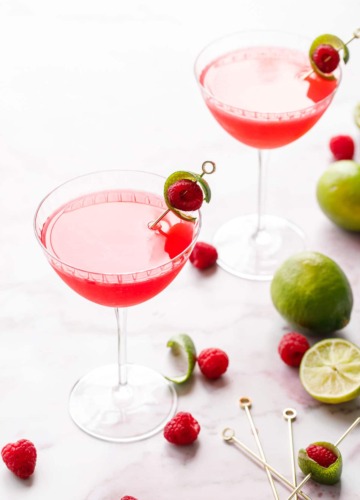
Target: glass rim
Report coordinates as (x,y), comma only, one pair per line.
(264,114)
(51,255)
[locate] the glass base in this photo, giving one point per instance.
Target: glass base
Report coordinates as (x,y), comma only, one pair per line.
(131,412)
(255,255)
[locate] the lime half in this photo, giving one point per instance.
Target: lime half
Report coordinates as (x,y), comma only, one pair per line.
(330,371)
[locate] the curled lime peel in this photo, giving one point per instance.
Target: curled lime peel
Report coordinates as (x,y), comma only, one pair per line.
(183,343)
(334,41)
(324,475)
(180,175)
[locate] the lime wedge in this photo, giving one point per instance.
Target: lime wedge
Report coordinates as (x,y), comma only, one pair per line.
(183,174)
(183,343)
(320,474)
(335,42)
(330,371)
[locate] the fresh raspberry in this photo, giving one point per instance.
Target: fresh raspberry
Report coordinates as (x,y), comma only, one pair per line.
(292,348)
(326,58)
(203,255)
(128,498)
(185,195)
(342,147)
(213,362)
(178,238)
(323,456)
(20,458)
(183,429)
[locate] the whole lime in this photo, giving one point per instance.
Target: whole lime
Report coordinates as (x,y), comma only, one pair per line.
(338,194)
(312,292)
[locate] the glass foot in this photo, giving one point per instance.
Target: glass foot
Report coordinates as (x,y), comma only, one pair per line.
(255,255)
(122,413)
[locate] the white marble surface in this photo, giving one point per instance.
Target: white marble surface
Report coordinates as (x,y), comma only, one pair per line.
(89,85)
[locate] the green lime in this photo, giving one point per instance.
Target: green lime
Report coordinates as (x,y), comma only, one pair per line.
(338,194)
(320,474)
(330,371)
(312,292)
(182,343)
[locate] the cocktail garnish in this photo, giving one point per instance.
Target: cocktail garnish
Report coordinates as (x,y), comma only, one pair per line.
(185,192)
(323,461)
(324,54)
(178,343)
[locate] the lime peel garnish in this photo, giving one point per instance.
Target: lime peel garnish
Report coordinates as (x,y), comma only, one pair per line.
(185,175)
(336,43)
(320,474)
(191,176)
(182,342)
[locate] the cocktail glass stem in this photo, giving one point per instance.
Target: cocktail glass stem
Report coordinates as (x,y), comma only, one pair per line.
(260,194)
(121,319)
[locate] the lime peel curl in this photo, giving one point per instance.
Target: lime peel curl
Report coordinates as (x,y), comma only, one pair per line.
(334,41)
(182,342)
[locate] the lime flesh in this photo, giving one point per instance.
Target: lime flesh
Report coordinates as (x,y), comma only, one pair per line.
(330,371)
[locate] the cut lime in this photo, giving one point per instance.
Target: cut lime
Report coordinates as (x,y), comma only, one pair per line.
(180,175)
(330,371)
(320,474)
(335,42)
(183,343)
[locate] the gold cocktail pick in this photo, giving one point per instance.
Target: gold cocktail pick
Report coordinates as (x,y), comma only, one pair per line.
(208,167)
(228,436)
(306,478)
(290,415)
(245,404)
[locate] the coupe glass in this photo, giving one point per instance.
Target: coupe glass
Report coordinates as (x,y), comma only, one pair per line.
(94,232)
(260,88)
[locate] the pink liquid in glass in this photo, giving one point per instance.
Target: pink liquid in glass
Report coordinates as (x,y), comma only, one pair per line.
(105,251)
(260,96)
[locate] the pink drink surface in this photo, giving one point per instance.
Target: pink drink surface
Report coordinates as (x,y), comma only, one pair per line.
(105,251)
(260,96)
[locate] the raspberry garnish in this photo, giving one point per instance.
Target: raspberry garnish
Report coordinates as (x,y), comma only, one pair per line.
(321,455)
(128,498)
(326,58)
(183,429)
(292,348)
(20,458)
(342,147)
(213,362)
(203,255)
(185,195)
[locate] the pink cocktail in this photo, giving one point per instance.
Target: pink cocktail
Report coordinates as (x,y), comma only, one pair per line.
(260,88)
(95,233)
(107,232)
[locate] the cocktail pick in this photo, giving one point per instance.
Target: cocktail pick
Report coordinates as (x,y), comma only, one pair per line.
(208,168)
(228,435)
(290,415)
(245,404)
(306,478)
